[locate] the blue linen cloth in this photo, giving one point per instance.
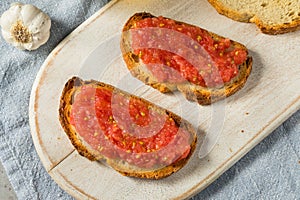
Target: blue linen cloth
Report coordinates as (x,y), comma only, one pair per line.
(270,171)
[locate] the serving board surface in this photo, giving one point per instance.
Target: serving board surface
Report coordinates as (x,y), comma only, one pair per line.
(269,97)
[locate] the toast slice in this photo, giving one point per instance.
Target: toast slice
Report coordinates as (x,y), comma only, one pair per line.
(204,93)
(272,17)
(94,117)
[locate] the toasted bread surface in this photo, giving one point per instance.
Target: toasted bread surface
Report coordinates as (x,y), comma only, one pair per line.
(202,95)
(272,17)
(72,87)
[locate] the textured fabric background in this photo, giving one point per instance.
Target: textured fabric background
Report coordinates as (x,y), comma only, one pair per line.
(270,171)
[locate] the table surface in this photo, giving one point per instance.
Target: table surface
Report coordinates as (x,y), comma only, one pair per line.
(242,110)
(6,191)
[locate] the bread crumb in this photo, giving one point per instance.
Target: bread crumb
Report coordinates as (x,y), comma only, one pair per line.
(230,149)
(247,113)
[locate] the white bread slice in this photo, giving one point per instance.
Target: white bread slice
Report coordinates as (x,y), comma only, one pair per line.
(271,16)
(73,87)
(192,92)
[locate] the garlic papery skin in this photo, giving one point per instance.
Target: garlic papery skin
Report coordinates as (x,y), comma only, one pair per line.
(25,26)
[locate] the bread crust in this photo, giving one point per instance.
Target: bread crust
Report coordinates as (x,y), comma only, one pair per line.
(248,17)
(192,92)
(72,87)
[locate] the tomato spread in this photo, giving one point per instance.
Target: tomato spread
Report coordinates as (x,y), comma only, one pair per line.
(176,52)
(127,128)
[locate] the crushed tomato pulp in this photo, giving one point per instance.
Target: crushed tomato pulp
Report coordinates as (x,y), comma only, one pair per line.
(108,121)
(176,52)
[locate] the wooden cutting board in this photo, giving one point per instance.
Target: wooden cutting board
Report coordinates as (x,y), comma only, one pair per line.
(269,97)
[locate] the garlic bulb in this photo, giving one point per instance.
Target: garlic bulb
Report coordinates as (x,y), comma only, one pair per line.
(25,26)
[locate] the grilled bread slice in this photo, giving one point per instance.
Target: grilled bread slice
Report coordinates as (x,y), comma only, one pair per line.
(272,17)
(136,154)
(204,95)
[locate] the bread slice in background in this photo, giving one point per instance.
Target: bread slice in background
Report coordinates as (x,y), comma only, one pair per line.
(73,88)
(271,16)
(192,92)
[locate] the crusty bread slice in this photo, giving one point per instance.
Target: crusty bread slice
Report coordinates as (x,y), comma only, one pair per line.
(202,95)
(272,17)
(73,87)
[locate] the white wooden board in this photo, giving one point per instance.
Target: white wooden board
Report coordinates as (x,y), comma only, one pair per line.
(269,97)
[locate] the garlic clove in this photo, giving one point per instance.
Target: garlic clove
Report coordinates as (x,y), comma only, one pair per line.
(41,38)
(9,17)
(30,46)
(39,21)
(28,13)
(8,36)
